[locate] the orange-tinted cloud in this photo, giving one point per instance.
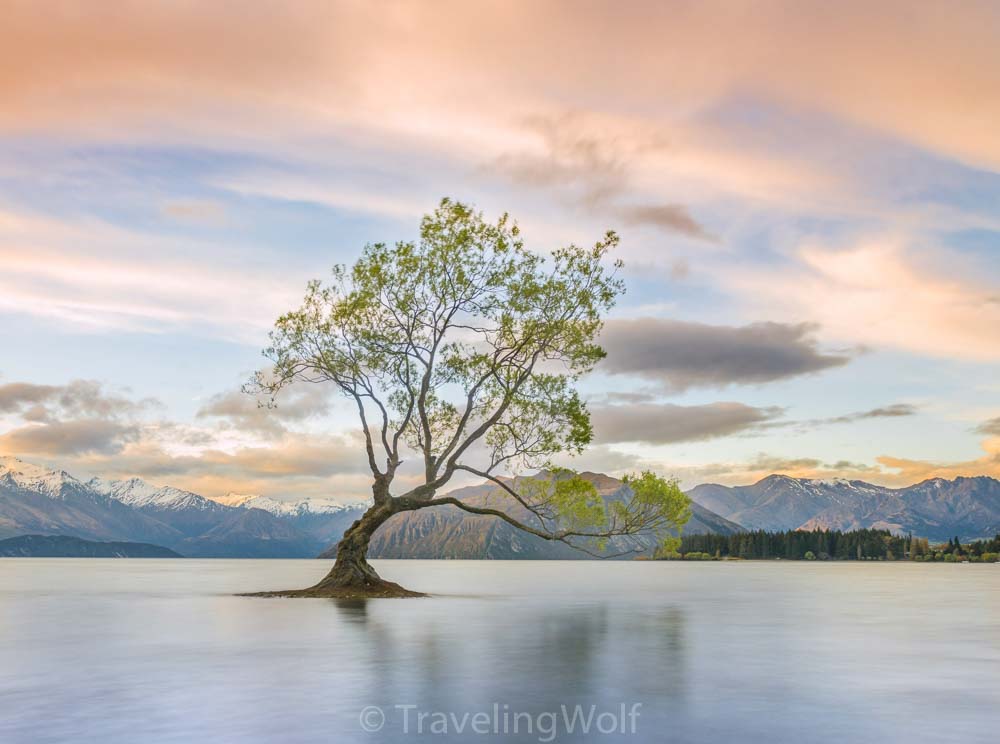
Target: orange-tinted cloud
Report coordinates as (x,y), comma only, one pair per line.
(889,471)
(69,438)
(131,280)
(911,471)
(885,293)
(921,72)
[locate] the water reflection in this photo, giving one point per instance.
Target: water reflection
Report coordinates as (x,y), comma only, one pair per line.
(462,654)
(756,653)
(351,611)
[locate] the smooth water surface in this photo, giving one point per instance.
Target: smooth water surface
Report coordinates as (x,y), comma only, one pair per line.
(161,650)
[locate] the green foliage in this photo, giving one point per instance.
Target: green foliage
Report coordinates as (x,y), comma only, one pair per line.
(575,502)
(799,545)
(695,556)
(656,498)
(977,551)
(446,334)
(918,548)
(567,504)
(837,545)
(465,345)
(982,547)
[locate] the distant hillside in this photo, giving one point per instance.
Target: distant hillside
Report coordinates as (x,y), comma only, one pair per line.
(65,546)
(449,532)
(249,533)
(937,509)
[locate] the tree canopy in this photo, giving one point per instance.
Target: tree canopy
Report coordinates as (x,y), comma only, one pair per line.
(463,349)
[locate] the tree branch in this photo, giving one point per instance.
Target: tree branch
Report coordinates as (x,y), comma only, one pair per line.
(563,536)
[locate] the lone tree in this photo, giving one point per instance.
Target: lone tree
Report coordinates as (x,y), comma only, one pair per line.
(464,349)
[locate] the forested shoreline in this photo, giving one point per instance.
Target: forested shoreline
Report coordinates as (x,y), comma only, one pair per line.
(867,544)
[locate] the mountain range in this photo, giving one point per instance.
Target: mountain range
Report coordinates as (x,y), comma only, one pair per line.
(36,500)
(937,509)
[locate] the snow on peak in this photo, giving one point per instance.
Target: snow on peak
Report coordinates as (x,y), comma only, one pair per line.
(137,492)
(36,477)
(290,508)
(236,499)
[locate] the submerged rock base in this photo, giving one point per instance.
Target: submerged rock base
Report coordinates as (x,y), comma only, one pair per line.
(374,589)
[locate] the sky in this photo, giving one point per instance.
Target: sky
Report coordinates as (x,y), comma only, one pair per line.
(806,193)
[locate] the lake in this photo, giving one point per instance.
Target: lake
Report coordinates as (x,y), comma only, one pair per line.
(160,651)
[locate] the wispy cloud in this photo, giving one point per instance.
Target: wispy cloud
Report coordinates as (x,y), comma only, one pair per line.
(885,293)
(911,470)
(990,428)
(920,79)
(593,172)
(83,427)
(670,217)
(896,410)
(243,412)
(130,280)
(77,437)
(78,418)
(76,398)
(667,423)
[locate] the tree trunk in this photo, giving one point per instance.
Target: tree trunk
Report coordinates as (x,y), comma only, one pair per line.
(352,577)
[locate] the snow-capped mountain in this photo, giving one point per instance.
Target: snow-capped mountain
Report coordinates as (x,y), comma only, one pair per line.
(52,483)
(282,508)
(323,520)
(138,493)
(38,500)
(936,508)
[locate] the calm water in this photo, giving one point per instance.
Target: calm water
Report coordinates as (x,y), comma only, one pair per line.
(157,650)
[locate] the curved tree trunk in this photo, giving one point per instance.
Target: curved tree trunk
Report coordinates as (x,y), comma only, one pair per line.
(352,577)
(351,574)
